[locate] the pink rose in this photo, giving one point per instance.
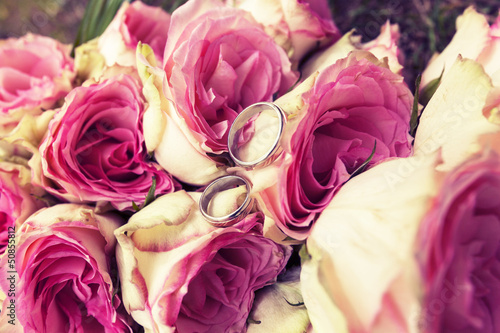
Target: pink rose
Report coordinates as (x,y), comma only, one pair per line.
(299,26)
(459,250)
(35,72)
(179,273)
(134,22)
(218,60)
(352,104)
(63,264)
(17,200)
(95,149)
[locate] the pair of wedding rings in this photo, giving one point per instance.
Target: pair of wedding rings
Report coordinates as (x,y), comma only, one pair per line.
(247,151)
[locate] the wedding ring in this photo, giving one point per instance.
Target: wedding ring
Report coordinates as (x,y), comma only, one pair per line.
(219,185)
(261,149)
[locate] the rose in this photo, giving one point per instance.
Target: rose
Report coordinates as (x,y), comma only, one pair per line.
(180,273)
(95,150)
(474,39)
(391,218)
(229,59)
(280,307)
(385,46)
(217,61)
(459,250)
(133,23)
(298,26)
(17,200)
(453,120)
(489,55)
(351,105)
(359,273)
(63,264)
(35,71)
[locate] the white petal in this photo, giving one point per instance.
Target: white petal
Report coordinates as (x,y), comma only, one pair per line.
(453,119)
(470,39)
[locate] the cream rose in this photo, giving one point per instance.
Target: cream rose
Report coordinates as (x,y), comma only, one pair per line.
(179,273)
(453,119)
(361,274)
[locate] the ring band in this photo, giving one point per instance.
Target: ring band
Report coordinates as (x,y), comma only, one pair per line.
(219,185)
(241,120)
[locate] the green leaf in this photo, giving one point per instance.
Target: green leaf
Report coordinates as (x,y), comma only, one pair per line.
(150,197)
(414,112)
(429,90)
(363,166)
(98,14)
(304,254)
(47,199)
(117,287)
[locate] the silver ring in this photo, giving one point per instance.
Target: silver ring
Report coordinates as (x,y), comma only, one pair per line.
(243,119)
(221,184)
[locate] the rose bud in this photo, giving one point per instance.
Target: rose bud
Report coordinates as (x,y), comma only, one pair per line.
(218,60)
(35,72)
(180,273)
(300,27)
(95,151)
(134,22)
(64,264)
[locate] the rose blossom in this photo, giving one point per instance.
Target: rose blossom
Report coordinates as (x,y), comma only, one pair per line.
(298,26)
(351,105)
(179,273)
(17,200)
(95,149)
(35,72)
(360,273)
(385,46)
(134,22)
(218,60)
(453,119)
(280,307)
(63,264)
(459,250)
(474,39)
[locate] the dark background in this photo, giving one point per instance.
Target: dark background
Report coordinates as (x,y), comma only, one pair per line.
(426,26)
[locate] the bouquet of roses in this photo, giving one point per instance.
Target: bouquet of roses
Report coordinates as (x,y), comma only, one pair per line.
(240,166)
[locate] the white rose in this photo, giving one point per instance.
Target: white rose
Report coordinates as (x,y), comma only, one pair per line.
(361,275)
(453,119)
